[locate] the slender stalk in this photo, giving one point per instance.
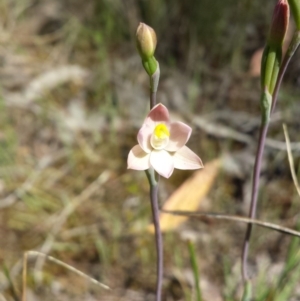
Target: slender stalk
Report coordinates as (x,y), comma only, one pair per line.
(152,99)
(158,239)
(154,80)
(153,179)
(289,54)
(260,150)
(253,204)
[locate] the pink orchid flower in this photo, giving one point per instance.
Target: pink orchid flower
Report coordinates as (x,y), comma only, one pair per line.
(162,145)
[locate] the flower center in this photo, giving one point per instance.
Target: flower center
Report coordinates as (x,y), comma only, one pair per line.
(160,136)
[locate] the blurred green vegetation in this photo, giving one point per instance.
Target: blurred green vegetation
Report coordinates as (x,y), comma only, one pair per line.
(210,45)
(191,34)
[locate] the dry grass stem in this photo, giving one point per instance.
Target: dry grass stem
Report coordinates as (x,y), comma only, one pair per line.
(58,262)
(237,219)
(290,157)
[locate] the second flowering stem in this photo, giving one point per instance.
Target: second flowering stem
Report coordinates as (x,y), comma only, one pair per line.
(254,194)
(260,149)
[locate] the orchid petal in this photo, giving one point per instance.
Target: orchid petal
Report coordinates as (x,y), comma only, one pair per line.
(144,136)
(138,159)
(185,158)
(162,162)
(179,135)
(159,113)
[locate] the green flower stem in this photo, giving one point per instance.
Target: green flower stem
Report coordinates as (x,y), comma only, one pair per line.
(259,154)
(153,99)
(195,269)
(153,179)
(154,80)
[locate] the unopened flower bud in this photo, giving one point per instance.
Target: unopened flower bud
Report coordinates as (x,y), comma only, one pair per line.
(295,9)
(270,65)
(145,41)
(279,24)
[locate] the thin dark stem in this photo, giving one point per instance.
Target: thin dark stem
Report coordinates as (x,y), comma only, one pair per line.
(260,150)
(290,52)
(253,204)
(158,239)
(285,63)
(153,179)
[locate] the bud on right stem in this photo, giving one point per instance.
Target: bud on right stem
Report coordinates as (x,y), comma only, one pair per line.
(271,60)
(280,22)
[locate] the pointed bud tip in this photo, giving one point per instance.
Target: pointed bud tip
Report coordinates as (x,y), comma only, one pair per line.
(145,40)
(280,22)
